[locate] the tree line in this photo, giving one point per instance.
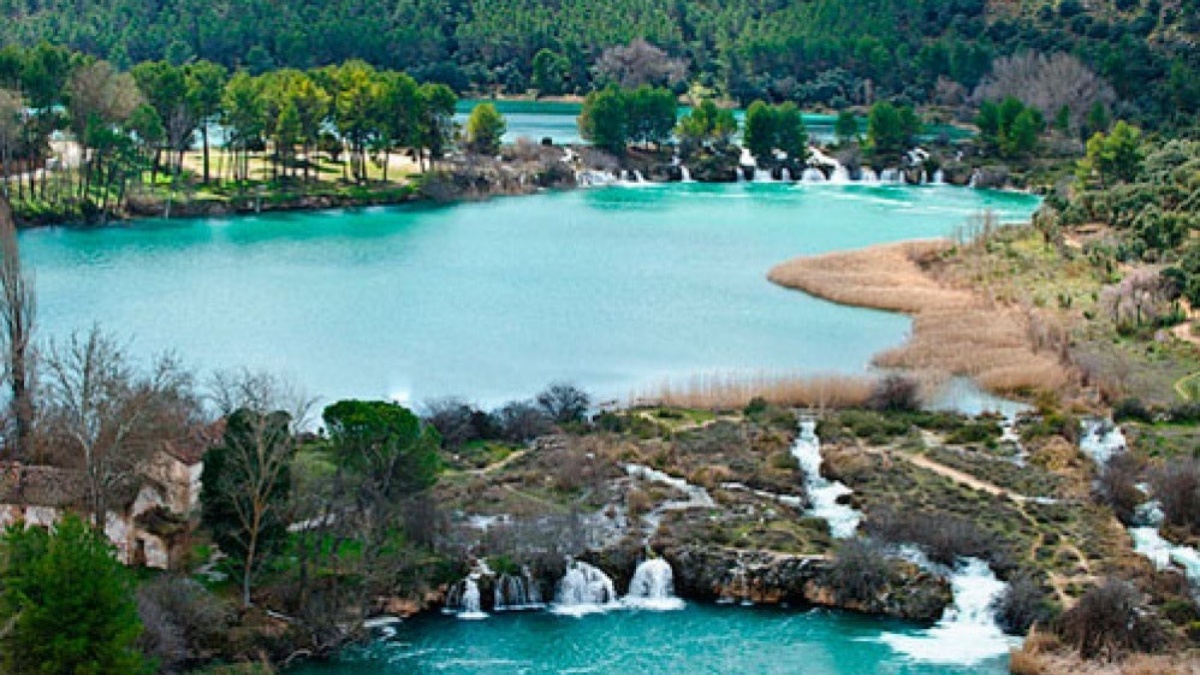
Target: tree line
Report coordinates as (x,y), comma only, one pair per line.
(144,120)
(832,53)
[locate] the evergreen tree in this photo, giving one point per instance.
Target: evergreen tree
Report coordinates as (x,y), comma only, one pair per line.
(67,604)
(759,134)
(485,128)
(604,120)
(845,129)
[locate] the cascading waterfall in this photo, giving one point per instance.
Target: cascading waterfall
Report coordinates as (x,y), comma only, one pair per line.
(967,634)
(974,181)
(762,175)
(653,587)
(868,175)
(785,175)
(840,175)
(891,176)
(1148,542)
(517,592)
(812,175)
(1101,440)
(685,174)
(939,177)
(463,600)
(584,589)
(823,494)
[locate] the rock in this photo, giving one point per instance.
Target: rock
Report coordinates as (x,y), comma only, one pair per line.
(765,577)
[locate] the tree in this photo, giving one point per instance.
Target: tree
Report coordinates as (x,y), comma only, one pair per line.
(67,604)
(845,129)
(759,135)
(706,125)
(165,87)
(890,129)
(242,115)
(638,64)
(107,418)
(1047,83)
(564,403)
(437,119)
(205,88)
(603,121)
(18,310)
(485,128)
(791,136)
(550,71)
(652,113)
(1115,157)
(246,480)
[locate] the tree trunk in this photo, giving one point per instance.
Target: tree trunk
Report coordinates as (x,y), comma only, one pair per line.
(204,137)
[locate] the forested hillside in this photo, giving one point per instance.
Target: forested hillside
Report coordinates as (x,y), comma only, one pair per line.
(819,52)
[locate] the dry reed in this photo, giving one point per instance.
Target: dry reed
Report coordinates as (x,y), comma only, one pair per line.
(954,331)
(732,391)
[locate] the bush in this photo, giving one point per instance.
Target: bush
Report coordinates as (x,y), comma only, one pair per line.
(1177,486)
(1108,622)
(458,423)
(1131,409)
(182,620)
(895,393)
(1116,486)
(1022,604)
(943,537)
(523,421)
(860,571)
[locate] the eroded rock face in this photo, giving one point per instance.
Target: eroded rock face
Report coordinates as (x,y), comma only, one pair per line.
(772,578)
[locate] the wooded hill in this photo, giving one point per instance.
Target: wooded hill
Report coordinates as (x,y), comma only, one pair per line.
(818,52)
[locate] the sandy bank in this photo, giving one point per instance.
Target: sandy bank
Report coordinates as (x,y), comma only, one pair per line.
(955,331)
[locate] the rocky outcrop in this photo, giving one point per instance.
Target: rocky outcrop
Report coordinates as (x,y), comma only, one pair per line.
(765,577)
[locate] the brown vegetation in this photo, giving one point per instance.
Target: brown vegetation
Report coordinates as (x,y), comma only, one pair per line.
(1007,349)
(731,391)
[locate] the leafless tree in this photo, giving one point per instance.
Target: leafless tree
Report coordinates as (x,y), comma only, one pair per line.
(18,308)
(107,418)
(99,93)
(262,415)
(639,63)
(1108,622)
(1047,83)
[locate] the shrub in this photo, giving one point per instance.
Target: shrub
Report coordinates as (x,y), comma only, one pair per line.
(1177,486)
(895,393)
(1116,486)
(1108,622)
(182,620)
(1022,604)
(1131,409)
(523,421)
(860,570)
(458,423)
(943,537)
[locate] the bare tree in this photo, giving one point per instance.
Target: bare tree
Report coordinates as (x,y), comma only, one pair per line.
(12,108)
(18,309)
(108,419)
(639,63)
(247,478)
(1048,83)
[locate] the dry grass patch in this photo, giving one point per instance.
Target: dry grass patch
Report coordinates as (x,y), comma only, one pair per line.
(733,391)
(955,331)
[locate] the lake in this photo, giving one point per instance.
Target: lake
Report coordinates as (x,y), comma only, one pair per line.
(615,289)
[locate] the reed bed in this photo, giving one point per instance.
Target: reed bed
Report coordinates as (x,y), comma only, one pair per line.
(955,331)
(733,391)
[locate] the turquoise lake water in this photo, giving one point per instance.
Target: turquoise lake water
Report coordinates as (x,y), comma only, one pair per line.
(615,289)
(698,639)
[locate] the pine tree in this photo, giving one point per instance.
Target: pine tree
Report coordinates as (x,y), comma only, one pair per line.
(66,604)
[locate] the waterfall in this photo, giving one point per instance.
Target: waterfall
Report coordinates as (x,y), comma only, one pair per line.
(974,182)
(515,592)
(1101,440)
(869,176)
(939,177)
(823,494)
(840,175)
(584,589)
(812,175)
(463,599)
(1148,542)
(967,634)
(891,176)
(762,175)
(638,177)
(653,587)
(590,178)
(685,174)
(785,174)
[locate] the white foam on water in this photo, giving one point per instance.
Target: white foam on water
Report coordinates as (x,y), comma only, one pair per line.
(967,634)
(823,494)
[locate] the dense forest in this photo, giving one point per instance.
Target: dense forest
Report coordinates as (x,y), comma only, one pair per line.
(820,52)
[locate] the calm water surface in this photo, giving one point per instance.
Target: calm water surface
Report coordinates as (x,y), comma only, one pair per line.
(614,288)
(699,639)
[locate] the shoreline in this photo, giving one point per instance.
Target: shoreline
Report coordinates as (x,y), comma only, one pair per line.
(955,331)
